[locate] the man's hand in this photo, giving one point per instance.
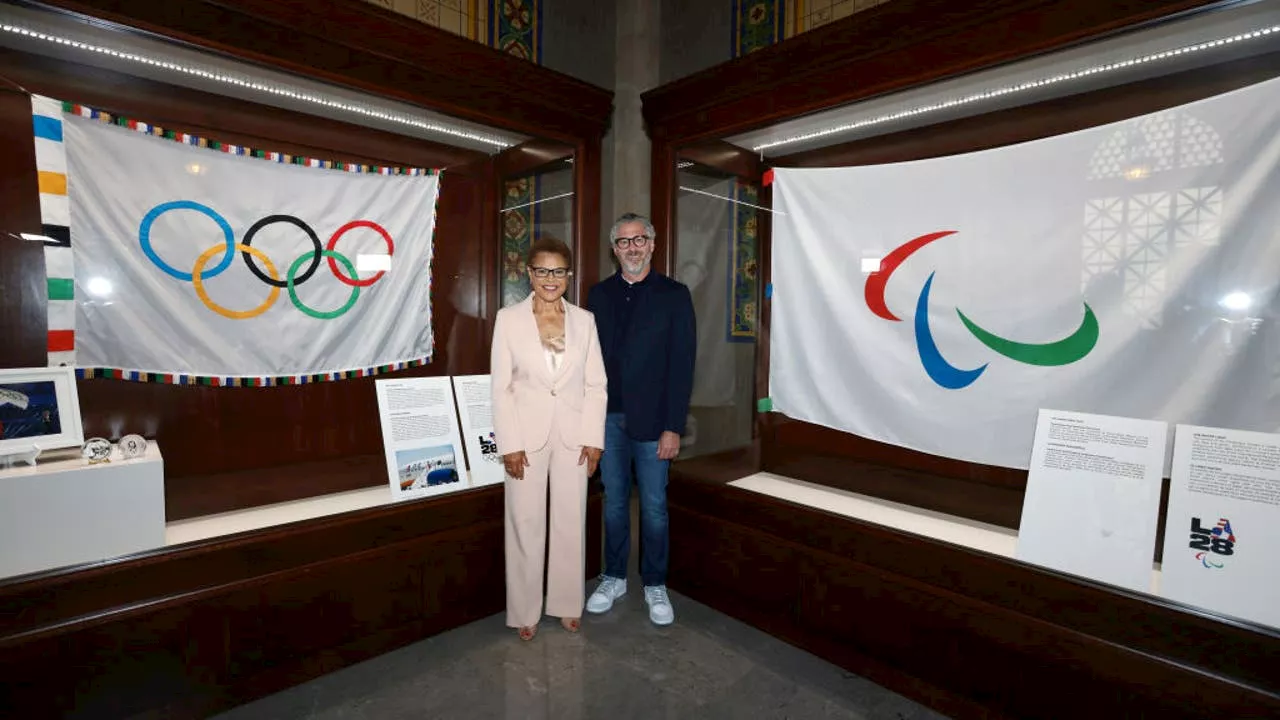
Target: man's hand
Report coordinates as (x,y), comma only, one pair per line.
(516,462)
(590,456)
(668,445)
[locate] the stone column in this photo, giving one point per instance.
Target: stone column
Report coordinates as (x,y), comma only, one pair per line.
(636,70)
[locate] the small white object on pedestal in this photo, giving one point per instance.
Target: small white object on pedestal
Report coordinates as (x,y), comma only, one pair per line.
(64,511)
(23,456)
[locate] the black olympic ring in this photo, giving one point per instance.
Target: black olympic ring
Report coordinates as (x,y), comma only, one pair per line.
(315,257)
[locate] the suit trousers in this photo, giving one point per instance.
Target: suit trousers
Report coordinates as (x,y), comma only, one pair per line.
(554,465)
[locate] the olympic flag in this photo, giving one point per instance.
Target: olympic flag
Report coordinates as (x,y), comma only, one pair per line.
(194,261)
(1129,269)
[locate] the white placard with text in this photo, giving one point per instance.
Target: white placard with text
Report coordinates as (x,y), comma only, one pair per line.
(475,408)
(1093,497)
(420,437)
(1222,531)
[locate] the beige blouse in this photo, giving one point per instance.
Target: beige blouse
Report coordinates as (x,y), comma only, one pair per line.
(553,348)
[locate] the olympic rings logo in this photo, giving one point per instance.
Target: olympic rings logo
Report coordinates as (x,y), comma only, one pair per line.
(253,256)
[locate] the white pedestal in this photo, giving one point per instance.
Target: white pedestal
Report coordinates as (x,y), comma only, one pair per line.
(64,511)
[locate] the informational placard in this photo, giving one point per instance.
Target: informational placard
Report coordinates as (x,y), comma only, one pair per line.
(475,409)
(1093,497)
(1222,531)
(420,437)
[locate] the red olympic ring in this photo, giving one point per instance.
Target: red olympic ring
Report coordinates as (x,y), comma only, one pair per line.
(333,265)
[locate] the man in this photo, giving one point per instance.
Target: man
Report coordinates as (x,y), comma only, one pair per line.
(646,326)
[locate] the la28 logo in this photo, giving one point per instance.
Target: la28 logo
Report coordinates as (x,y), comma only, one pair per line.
(1217,539)
(489,448)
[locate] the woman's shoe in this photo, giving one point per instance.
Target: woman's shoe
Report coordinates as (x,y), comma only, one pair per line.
(571,624)
(527,633)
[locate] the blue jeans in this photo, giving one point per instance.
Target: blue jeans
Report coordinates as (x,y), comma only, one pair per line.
(620,451)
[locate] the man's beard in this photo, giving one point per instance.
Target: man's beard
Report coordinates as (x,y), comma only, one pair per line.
(634,267)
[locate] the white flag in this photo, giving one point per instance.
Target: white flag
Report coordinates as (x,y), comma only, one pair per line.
(190,261)
(1129,269)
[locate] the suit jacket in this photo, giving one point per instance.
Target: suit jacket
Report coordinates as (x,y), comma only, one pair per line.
(652,374)
(527,396)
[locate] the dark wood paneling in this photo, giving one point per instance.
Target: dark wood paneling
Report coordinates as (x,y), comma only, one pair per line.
(199,628)
(989,494)
(224,118)
(726,158)
(23,321)
(354,43)
(1043,119)
(529,156)
(981,492)
(968,633)
(210,435)
(662,207)
(896,45)
(189,630)
(192,496)
(587,169)
(972,634)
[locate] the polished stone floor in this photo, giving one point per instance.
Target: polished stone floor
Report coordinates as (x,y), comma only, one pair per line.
(620,666)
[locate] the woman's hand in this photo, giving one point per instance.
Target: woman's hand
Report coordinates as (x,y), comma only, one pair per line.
(590,456)
(516,462)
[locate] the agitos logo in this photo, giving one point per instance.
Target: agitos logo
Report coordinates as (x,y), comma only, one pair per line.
(1061,352)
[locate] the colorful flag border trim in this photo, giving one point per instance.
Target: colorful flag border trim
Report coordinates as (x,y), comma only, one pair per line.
(91,373)
(48,128)
(55,219)
(145,128)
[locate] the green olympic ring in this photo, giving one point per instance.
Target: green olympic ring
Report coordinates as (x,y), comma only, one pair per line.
(293,295)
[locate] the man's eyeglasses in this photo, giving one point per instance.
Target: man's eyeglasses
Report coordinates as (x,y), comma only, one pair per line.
(542,272)
(626,242)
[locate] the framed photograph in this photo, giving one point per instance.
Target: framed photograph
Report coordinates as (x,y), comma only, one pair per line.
(40,407)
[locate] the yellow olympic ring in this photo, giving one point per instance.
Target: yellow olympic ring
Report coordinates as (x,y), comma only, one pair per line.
(197,280)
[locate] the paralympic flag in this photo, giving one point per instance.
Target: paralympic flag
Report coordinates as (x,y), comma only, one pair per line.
(1129,269)
(174,258)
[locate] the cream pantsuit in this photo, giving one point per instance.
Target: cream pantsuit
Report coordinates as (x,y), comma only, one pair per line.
(550,405)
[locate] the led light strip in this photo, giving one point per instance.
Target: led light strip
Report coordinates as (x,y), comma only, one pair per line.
(248,82)
(731,200)
(535,202)
(1021,87)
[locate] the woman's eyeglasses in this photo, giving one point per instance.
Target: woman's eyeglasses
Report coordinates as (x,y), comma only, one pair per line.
(542,272)
(626,242)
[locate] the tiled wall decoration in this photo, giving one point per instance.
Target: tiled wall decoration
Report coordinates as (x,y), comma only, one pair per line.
(757,24)
(514,26)
(745,291)
(760,23)
(810,14)
(517,233)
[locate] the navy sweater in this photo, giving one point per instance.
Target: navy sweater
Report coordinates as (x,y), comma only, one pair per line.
(648,340)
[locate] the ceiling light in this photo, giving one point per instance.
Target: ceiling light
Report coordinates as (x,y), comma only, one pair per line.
(1019,87)
(268,88)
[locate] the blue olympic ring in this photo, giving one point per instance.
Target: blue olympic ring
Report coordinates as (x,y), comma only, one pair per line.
(144,235)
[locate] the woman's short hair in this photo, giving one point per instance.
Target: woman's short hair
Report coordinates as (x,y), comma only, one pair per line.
(552,246)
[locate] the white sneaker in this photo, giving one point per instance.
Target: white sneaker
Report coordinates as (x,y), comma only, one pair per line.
(610,589)
(660,610)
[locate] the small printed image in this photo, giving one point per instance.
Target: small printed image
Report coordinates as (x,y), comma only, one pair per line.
(28,410)
(426,467)
(489,448)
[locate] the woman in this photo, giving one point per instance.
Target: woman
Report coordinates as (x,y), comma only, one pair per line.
(549,404)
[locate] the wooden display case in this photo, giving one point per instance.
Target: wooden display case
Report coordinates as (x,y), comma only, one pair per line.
(968,631)
(188,629)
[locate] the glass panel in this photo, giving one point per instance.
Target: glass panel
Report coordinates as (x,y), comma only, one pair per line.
(283,459)
(1154,233)
(717,234)
(536,204)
